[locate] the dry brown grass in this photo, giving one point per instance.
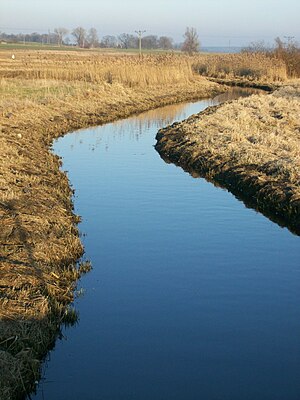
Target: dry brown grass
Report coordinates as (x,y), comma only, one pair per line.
(42,96)
(250,67)
(252,146)
(96,68)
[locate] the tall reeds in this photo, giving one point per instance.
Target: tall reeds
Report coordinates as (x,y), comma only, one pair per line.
(254,66)
(129,71)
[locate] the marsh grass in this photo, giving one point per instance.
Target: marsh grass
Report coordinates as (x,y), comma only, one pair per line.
(248,66)
(127,70)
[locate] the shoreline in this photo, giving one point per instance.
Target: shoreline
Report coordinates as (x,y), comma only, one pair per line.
(240,157)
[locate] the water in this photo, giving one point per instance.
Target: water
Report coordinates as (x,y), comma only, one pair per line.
(192,295)
(221,49)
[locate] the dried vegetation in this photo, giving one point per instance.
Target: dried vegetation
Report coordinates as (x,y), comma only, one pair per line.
(253,67)
(251,146)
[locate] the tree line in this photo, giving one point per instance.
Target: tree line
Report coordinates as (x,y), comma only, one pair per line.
(89,39)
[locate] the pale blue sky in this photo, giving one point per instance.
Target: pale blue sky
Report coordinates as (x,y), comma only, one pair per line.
(217,21)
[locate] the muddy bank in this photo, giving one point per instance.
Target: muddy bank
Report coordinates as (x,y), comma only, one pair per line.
(39,240)
(250,146)
(245,83)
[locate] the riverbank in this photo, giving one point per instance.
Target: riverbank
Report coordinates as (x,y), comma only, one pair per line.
(250,146)
(44,96)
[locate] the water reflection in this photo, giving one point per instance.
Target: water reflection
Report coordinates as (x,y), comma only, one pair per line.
(135,127)
(191,295)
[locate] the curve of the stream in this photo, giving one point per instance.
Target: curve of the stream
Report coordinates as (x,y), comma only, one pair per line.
(192,295)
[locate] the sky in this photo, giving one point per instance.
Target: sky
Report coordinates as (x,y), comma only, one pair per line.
(218,22)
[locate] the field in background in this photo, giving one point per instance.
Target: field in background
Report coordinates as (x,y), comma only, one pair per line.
(40,74)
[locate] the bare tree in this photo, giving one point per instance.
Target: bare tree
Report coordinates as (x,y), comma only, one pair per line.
(165,43)
(92,38)
(109,41)
(150,42)
(289,53)
(255,47)
(128,41)
(191,42)
(79,34)
(60,33)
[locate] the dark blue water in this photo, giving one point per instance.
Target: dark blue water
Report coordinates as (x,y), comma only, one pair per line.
(192,295)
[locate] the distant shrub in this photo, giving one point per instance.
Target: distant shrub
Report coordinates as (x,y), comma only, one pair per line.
(287,52)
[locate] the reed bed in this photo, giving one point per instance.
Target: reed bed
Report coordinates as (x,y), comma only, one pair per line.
(251,67)
(127,70)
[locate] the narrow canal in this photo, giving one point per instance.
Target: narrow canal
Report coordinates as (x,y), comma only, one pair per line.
(192,295)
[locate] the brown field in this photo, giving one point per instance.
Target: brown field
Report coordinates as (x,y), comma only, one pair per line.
(251,146)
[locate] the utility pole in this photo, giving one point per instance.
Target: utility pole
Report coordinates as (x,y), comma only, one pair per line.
(139,33)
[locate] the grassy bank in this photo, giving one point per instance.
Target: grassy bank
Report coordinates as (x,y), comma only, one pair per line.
(250,146)
(42,96)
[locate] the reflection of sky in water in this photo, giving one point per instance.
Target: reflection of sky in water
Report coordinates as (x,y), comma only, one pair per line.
(192,295)
(158,118)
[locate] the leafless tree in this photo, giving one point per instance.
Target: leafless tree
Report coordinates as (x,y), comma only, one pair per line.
(191,42)
(289,53)
(79,34)
(109,41)
(92,38)
(60,33)
(128,41)
(150,42)
(256,47)
(165,43)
